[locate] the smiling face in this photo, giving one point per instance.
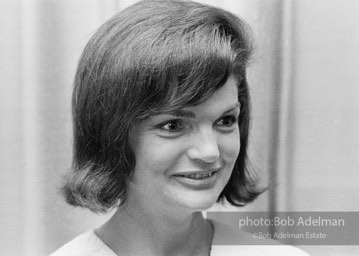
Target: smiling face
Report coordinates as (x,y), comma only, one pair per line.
(185,158)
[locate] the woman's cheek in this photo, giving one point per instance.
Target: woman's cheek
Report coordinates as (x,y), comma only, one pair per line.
(230,149)
(162,156)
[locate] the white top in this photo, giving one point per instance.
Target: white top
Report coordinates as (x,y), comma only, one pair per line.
(89,244)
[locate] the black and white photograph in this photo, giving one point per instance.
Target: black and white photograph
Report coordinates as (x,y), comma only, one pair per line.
(179,127)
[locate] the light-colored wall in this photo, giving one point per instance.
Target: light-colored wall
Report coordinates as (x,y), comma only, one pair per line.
(323,140)
(326,105)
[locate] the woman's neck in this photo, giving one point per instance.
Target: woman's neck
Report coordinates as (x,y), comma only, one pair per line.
(137,232)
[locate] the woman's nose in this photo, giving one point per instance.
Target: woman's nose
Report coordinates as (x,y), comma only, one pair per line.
(204,147)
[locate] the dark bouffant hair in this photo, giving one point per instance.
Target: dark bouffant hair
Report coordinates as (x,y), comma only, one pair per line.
(154,56)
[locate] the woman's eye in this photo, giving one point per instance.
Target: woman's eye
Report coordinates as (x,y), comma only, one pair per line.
(172,126)
(227,121)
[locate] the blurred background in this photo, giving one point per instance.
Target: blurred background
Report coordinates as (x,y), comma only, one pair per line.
(304,81)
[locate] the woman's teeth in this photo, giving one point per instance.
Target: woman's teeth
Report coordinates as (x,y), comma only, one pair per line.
(199,176)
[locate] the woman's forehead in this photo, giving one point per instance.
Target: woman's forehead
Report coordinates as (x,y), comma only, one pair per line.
(223,99)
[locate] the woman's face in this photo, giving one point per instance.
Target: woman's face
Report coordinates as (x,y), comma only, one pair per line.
(185,158)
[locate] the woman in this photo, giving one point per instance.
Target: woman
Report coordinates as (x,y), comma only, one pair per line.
(161,117)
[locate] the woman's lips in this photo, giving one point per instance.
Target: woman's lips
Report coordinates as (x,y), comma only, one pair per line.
(197,180)
(196,175)
(197,172)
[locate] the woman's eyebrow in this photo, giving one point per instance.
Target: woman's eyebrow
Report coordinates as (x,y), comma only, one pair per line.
(233,107)
(182,113)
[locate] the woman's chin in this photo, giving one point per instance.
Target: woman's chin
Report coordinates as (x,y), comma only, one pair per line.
(199,202)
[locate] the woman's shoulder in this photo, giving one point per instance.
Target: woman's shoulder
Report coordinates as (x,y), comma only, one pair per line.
(230,241)
(86,244)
